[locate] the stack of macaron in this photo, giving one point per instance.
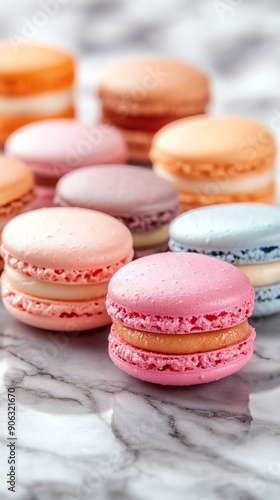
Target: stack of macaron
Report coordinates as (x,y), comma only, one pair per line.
(216,159)
(36,82)
(145,203)
(16,191)
(52,148)
(244,234)
(141,96)
(180,319)
(58,262)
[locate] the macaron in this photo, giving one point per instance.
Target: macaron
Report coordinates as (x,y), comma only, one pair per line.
(145,203)
(54,147)
(141,96)
(180,319)
(216,159)
(36,83)
(244,234)
(16,191)
(58,262)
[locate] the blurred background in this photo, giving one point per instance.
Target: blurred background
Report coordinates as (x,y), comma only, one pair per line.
(237,42)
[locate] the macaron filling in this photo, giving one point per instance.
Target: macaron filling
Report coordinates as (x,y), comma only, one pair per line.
(146,239)
(53,291)
(224,185)
(183,343)
(51,102)
(145,364)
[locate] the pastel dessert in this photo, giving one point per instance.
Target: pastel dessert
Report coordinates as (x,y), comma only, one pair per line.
(134,195)
(16,191)
(180,319)
(58,262)
(54,147)
(36,83)
(141,96)
(244,234)
(216,159)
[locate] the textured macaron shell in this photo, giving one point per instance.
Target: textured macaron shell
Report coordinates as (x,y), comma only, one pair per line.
(236,226)
(215,139)
(152,86)
(179,293)
(118,190)
(16,179)
(55,147)
(66,238)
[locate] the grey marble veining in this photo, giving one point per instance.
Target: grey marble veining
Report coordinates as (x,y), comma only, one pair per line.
(85,430)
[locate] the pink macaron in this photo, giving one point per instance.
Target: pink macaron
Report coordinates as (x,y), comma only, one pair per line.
(144,202)
(58,262)
(52,148)
(180,319)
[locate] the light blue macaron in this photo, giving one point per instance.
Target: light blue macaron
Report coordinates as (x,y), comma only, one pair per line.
(238,233)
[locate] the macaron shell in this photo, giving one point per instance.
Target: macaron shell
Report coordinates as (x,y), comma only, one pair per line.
(119,190)
(55,147)
(200,229)
(66,239)
(180,370)
(179,292)
(54,322)
(31,68)
(153,86)
(16,180)
(223,139)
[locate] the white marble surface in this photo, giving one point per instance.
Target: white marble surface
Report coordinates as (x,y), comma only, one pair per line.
(85,430)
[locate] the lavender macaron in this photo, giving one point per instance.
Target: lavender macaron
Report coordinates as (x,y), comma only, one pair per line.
(145,203)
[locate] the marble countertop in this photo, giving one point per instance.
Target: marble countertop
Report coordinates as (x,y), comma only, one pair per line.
(84,429)
(88,431)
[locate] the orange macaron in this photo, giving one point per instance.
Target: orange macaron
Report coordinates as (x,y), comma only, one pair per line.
(216,159)
(142,96)
(35,83)
(16,190)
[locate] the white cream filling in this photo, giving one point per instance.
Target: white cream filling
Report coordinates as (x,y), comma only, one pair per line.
(240,184)
(146,239)
(43,103)
(54,291)
(262,274)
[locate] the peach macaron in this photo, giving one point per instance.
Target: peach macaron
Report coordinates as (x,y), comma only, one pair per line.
(141,96)
(58,262)
(216,159)
(16,190)
(35,83)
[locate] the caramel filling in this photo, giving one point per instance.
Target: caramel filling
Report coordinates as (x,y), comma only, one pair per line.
(189,343)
